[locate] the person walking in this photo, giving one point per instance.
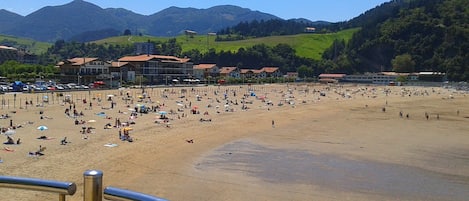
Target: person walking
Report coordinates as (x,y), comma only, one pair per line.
(273,124)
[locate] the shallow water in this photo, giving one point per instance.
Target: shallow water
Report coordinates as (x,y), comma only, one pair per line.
(336,173)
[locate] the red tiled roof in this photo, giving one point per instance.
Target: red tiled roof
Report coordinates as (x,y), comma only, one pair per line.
(144,57)
(244,71)
(227,70)
(118,63)
(7,47)
(269,69)
(255,71)
(325,75)
(204,66)
(80,61)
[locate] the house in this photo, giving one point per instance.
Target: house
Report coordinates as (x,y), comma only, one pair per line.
(144,48)
(331,78)
(83,70)
(10,53)
(158,68)
(271,71)
(228,72)
(293,75)
(119,72)
(310,29)
(431,76)
(204,71)
(252,73)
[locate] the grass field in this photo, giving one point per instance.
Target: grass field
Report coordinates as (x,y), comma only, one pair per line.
(306,45)
(31,45)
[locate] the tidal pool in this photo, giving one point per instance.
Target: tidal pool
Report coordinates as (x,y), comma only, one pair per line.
(335,172)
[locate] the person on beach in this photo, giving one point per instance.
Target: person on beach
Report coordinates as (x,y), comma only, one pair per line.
(64,141)
(9,140)
(273,124)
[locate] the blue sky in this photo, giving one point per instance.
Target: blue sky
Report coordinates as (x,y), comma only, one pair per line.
(328,10)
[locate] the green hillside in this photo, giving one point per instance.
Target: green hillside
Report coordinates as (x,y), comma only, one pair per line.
(306,45)
(29,44)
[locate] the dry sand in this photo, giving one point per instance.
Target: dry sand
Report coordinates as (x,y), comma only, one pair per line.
(340,146)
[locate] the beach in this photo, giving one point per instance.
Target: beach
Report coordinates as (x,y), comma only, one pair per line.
(259,142)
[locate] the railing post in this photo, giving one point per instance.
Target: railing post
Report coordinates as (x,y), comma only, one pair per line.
(93,185)
(61,197)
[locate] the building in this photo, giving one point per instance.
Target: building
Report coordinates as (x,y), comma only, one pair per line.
(13,54)
(310,29)
(432,76)
(230,72)
(83,70)
(158,69)
(204,71)
(331,78)
(119,72)
(252,73)
(271,71)
(292,75)
(382,78)
(144,48)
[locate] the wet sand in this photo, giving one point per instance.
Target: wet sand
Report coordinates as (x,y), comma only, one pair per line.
(341,146)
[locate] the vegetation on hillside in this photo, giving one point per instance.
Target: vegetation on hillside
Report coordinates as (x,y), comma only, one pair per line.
(434,33)
(273,27)
(28,45)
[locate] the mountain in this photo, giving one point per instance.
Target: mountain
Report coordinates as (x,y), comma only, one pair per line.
(201,20)
(52,23)
(61,22)
(8,19)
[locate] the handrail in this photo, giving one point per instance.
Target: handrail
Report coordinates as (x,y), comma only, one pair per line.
(62,188)
(118,194)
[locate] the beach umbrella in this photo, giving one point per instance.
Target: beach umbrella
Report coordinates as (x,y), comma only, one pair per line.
(195,107)
(162,112)
(42,128)
(10,132)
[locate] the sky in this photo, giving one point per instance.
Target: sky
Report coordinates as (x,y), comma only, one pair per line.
(327,10)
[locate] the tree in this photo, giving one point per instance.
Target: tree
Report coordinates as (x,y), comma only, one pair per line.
(304,71)
(403,64)
(127,32)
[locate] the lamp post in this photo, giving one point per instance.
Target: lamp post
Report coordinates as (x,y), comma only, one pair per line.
(78,78)
(208,37)
(120,82)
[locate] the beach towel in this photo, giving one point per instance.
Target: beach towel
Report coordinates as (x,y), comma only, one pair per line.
(45,138)
(8,149)
(110,145)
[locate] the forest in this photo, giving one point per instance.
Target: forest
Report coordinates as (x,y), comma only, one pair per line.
(430,35)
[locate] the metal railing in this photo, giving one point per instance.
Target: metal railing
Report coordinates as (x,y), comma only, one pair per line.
(62,188)
(92,187)
(117,194)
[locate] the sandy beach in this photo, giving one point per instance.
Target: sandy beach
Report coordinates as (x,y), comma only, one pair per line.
(260,142)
